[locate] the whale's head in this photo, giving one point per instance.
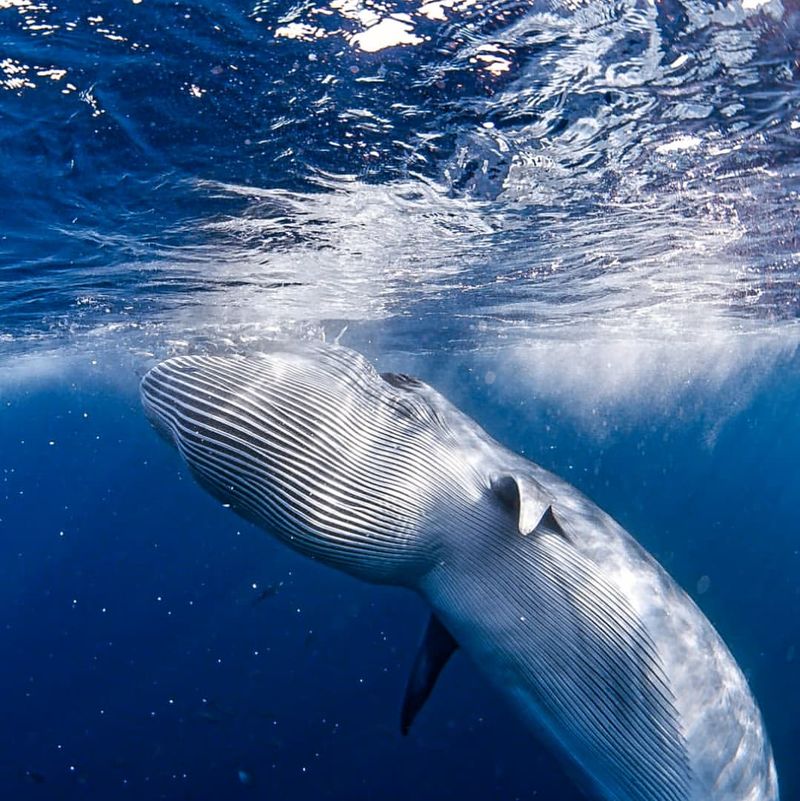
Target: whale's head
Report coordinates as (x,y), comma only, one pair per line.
(359,469)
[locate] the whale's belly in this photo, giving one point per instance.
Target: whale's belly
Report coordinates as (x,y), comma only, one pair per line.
(660,711)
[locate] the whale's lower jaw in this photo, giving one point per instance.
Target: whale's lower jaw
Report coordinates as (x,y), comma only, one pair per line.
(285,441)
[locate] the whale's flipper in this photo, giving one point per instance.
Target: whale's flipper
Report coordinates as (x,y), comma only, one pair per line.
(435,650)
(525,498)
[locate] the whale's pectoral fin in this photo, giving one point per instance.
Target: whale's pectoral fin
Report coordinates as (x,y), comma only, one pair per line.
(437,647)
(526,498)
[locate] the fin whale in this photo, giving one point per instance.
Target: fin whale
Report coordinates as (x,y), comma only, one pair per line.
(588,638)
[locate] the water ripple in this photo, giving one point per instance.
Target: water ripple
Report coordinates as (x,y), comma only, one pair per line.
(452,172)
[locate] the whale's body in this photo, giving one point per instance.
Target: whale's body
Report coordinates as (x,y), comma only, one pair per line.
(591,641)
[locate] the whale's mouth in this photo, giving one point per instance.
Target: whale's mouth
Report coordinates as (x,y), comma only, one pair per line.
(311,444)
(155,405)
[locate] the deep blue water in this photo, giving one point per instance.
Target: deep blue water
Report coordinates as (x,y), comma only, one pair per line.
(579,220)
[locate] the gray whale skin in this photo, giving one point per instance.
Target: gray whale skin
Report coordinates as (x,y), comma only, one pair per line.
(592,643)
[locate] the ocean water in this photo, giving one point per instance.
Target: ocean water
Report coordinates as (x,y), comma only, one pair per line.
(579,220)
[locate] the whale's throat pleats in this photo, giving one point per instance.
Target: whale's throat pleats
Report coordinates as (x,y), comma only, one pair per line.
(313,445)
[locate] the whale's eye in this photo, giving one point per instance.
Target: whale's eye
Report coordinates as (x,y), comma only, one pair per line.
(401,380)
(413,402)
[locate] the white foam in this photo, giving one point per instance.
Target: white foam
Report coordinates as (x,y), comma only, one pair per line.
(389,32)
(29,368)
(681,143)
(353,252)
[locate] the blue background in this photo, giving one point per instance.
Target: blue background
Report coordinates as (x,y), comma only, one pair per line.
(138,662)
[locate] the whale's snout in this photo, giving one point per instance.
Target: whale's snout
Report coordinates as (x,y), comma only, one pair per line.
(308,449)
(155,403)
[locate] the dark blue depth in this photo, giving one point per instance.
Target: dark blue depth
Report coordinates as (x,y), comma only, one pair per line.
(140,661)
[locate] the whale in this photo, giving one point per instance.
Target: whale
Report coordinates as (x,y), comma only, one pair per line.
(600,653)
